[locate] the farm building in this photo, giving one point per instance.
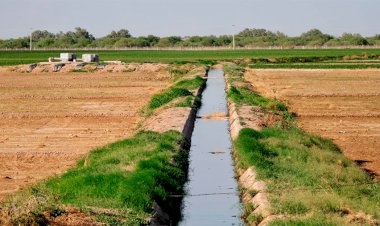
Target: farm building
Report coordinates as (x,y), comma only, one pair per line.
(90,58)
(66,57)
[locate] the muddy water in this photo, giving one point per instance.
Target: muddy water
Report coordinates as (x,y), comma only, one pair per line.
(211,192)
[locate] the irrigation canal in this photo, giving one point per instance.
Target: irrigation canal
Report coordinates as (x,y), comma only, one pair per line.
(211,191)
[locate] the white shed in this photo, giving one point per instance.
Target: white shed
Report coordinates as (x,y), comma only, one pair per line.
(65,57)
(90,58)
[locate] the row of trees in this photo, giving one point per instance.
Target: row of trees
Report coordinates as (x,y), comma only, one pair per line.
(80,38)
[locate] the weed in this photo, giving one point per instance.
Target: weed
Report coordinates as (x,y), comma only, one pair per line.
(243,95)
(187,102)
(177,72)
(163,98)
(79,70)
(191,84)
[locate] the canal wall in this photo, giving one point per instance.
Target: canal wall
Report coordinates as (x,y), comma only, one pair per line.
(253,195)
(181,119)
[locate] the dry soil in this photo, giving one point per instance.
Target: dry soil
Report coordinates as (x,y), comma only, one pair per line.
(48,121)
(343,105)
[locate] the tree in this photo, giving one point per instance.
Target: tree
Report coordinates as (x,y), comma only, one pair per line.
(353,39)
(123,33)
(164,42)
(152,40)
(38,35)
(210,41)
(121,43)
(174,39)
(313,37)
(83,33)
(254,32)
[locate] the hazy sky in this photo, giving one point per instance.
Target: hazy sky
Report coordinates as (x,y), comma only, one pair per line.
(189,17)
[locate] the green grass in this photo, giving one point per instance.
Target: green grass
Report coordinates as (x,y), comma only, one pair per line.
(307,177)
(207,57)
(127,176)
(180,89)
(161,99)
(190,84)
(82,70)
(178,73)
(243,95)
(234,70)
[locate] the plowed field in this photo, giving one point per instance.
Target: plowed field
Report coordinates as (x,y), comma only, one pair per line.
(343,105)
(48,121)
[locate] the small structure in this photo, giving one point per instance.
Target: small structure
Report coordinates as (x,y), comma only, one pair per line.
(31,67)
(58,67)
(90,58)
(66,57)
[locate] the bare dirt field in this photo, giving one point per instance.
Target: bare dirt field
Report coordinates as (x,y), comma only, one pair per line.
(48,121)
(343,105)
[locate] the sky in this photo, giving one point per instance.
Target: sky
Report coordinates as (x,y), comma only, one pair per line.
(189,17)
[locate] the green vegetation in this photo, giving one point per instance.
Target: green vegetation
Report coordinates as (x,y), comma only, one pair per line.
(178,73)
(190,84)
(182,88)
(328,62)
(308,178)
(176,57)
(125,177)
(243,95)
(80,38)
(119,183)
(321,184)
(160,99)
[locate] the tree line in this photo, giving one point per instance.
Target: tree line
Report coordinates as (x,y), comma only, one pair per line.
(249,37)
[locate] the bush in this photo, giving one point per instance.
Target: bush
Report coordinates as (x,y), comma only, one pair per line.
(163,98)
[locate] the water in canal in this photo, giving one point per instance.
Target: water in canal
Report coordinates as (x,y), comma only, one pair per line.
(211,192)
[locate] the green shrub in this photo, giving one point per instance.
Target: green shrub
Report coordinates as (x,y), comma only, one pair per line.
(160,99)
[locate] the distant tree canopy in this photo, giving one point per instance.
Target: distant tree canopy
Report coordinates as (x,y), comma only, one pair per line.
(123,33)
(254,32)
(249,37)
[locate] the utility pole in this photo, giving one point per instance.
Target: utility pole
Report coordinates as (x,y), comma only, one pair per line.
(233,37)
(31,41)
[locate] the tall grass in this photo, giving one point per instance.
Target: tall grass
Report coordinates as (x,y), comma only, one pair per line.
(161,99)
(243,95)
(309,180)
(307,176)
(180,89)
(127,176)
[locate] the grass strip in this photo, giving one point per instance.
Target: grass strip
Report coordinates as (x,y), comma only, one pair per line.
(127,176)
(180,89)
(309,180)
(203,57)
